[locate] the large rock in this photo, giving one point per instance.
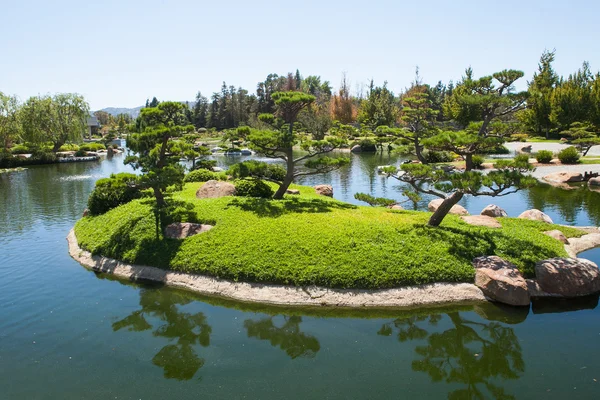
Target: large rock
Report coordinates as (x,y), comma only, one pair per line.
(535,215)
(494,211)
(456,209)
(558,235)
(568,277)
(564,177)
(292,191)
(594,181)
(501,281)
(396,207)
(324,190)
(181,230)
(212,189)
(481,220)
(356,149)
(525,149)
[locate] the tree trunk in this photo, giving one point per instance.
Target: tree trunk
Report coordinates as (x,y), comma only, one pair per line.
(160,198)
(289,175)
(57,146)
(468,162)
(419,152)
(444,208)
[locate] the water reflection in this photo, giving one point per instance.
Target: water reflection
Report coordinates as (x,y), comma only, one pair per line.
(569,203)
(287,336)
(160,312)
(470,354)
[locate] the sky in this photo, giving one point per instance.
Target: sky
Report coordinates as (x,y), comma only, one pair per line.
(119,53)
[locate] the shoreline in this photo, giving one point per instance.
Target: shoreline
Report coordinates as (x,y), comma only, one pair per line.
(433,294)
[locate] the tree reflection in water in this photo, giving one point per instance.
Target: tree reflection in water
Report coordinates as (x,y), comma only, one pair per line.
(179,359)
(288,337)
(470,353)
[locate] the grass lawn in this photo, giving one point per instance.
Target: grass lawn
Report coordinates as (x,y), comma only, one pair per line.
(311,239)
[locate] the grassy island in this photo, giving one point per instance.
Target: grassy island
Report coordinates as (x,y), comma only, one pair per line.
(311,239)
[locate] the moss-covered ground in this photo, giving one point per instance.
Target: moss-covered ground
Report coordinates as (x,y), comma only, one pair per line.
(311,239)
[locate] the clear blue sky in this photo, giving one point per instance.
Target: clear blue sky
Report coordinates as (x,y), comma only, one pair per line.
(118,53)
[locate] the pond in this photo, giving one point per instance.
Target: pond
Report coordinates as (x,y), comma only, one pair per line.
(68,333)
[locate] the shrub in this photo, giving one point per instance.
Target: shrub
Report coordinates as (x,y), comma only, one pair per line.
(257,169)
(205,164)
(570,155)
(478,161)
(201,130)
(92,147)
(367,145)
(544,156)
(112,192)
(499,150)
(20,149)
(252,188)
(200,175)
(115,146)
(80,153)
(519,137)
(437,156)
(69,147)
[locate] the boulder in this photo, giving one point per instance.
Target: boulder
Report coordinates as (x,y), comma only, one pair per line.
(564,177)
(181,230)
(568,277)
(481,220)
(292,191)
(456,209)
(324,190)
(494,211)
(525,149)
(356,149)
(558,235)
(594,181)
(501,281)
(212,189)
(86,212)
(535,215)
(396,207)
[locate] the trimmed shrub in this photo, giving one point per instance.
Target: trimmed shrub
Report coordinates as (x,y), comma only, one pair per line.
(544,156)
(69,147)
(80,153)
(252,188)
(112,192)
(570,155)
(478,161)
(20,149)
(367,145)
(499,150)
(257,169)
(92,147)
(205,164)
(200,175)
(115,146)
(519,137)
(437,156)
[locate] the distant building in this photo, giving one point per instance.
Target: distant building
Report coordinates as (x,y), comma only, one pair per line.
(93,125)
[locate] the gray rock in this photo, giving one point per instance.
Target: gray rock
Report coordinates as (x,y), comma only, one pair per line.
(181,230)
(564,177)
(558,235)
(501,281)
(594,181)
(568,277)
(292,191)
(356,149)
(494,211)
(481,220)
(324,190)
(456,209)
(535,215)
(213,189)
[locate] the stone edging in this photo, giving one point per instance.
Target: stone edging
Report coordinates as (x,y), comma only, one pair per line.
(431,294)
(410,296)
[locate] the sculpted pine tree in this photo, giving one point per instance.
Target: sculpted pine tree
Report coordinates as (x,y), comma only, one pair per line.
(479,105)
(280,143)
(156,155)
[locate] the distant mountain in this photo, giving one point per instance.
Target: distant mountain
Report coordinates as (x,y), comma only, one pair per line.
(134,112)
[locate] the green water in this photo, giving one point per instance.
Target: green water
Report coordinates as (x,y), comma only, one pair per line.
(68,333)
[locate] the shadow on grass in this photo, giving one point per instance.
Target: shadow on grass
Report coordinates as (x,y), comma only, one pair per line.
(277,208)
(468,244)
